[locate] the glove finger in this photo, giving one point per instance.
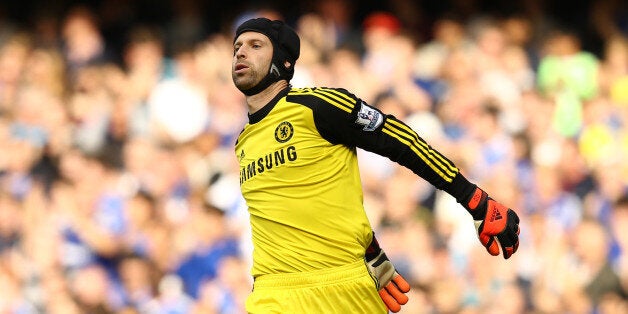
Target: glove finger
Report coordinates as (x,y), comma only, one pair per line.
(507,243)
(489,243)
(396,293)
(492,246)
(509,240)
(509,237)
(513,215)
(513,226)
(515,245)
(401,283)
(508,251)
(389,301)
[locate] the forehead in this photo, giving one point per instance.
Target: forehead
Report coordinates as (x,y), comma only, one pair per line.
(251,35)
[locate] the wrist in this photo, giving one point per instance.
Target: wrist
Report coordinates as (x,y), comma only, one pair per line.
(477,204)
(469,195)
(373,250)
(461,189)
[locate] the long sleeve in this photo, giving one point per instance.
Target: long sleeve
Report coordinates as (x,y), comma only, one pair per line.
(342,118)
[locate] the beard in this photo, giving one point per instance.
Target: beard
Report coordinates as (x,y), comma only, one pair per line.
(244,82)
(249,79)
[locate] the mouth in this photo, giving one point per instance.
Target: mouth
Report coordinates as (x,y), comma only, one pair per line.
(240,67)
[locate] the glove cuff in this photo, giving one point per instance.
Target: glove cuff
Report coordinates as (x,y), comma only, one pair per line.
(460,188)
(469,195)
(477,204)
(373,250)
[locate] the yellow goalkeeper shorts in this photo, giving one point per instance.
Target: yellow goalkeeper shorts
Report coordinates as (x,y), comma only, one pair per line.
(344,289)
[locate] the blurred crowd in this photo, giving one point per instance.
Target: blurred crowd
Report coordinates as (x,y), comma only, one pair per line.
(119,189)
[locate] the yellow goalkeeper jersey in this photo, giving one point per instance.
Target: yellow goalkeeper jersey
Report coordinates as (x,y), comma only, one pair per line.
(300,179)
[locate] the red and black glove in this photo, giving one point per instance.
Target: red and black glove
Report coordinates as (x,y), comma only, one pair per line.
(496,224)
(390,284)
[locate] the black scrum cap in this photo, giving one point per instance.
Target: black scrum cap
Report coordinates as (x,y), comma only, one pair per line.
(286,46)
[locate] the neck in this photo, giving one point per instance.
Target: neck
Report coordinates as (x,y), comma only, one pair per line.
(259,100)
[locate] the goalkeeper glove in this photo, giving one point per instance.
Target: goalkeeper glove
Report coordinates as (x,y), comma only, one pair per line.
(496,224)
(390,285)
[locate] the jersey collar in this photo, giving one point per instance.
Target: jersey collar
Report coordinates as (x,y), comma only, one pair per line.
(263,112)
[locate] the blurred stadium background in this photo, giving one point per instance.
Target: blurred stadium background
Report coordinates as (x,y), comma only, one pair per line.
(119,188)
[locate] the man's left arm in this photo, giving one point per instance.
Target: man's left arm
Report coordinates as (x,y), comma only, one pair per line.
(368,128)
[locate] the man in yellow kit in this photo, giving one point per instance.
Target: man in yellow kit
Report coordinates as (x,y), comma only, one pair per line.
(314,249)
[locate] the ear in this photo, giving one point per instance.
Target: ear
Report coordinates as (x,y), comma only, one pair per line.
(287,64)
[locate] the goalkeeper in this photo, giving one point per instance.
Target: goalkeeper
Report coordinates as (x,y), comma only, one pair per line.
(314,249)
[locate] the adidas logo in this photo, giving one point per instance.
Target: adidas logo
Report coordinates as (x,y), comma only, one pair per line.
(496,215)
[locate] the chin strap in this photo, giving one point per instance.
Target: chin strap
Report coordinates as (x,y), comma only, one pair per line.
(272,77)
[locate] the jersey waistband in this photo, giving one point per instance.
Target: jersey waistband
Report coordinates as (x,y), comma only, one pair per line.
(332,275)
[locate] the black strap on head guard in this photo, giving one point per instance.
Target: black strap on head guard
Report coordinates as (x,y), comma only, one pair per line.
(286,47)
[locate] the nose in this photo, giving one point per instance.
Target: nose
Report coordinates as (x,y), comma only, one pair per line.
(240,52)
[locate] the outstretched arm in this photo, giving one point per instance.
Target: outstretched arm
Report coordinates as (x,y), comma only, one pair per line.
(342,118)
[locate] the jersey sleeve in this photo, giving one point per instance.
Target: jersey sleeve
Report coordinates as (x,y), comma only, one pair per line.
(342,118)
